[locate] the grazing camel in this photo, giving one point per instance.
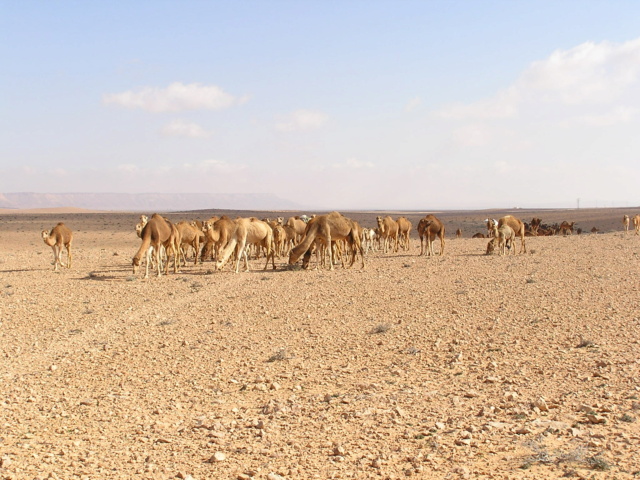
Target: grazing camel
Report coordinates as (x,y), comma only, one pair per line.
(430,227)
(504,237)
(157,233)
(625,223)
(248,231)
(518,228)
(327,229)
(404,232)
(636,224)
(59,236)
(388,231)
(217,234)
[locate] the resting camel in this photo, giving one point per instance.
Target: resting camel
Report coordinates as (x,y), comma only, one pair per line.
(504,237)
(430,227)
(248,231)
(388,231)
(625,223)
(326,229)
(59,236)
(157,233)
(567,228)
(404,232)
(518,228)
(636,224)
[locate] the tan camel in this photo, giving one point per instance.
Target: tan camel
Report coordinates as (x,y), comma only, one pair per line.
(217,234)
(429,228)
(327,229)
(298,225)
(404,232)
(189,237)
(518,228)
(504,238)
(458,233)
(248,231)
(625,223)
(59,236)
(636,224)
(157,233)
(566,228)
(388,230)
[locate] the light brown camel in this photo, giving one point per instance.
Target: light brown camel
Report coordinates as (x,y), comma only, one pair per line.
(518,228)
(458,233)
(326,229)
(59,236)
(217,234)
(248,231)
(636,224)
(428,228)
(404,232)
(158,233)
(625,223)
(504,237)
(189,237)
(298,225)
(388,229)
(566,228)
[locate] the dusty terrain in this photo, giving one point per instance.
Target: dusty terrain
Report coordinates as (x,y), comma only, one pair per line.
(461,366)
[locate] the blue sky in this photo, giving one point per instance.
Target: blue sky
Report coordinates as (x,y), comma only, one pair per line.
(348,105)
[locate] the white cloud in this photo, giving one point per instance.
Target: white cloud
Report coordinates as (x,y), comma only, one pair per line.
(174,98)
(182,128)
(566,84)
(353,164)
(301,120)
(413,104)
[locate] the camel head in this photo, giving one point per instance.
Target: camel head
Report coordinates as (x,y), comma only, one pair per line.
(491,246)
(136,264)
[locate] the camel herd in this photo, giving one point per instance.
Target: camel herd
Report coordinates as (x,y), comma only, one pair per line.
(332,237)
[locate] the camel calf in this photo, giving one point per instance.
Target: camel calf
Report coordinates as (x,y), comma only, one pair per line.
(59,236)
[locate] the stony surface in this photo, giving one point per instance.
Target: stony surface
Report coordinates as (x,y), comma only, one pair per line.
(461,366)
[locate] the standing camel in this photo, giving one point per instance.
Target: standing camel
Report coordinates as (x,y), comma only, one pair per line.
(59,236)
(430,227)
(157,233)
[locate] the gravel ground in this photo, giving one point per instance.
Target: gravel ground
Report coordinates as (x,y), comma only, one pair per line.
(460,366)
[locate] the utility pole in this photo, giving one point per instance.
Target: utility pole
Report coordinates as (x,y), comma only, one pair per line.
(578,203)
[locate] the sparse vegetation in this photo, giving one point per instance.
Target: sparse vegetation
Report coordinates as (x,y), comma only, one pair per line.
(381,328)
(279,356)
(584,342)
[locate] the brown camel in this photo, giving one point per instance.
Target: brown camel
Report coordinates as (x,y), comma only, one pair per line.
(518,229)
(59,236)
(327,229)
(248,231)
(157,233)
(388,229)
(404,232)
(429,227)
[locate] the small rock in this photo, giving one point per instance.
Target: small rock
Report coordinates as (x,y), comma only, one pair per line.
(275,476)
(596,419)
(339,450)
(217,457)
(541,404)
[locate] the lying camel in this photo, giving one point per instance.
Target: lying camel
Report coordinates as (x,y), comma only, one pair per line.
(388,229)
(518,228)
(157,233)
(59,236)
(566,228)
(430,227)
(248,231)
(326,229)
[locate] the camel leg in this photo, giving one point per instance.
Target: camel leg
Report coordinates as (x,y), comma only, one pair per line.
(442,245)
(68,256)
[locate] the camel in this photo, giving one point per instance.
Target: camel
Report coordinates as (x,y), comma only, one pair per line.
(248,231)
(535,224)
(157,233)
(479,235)
(326,229)
(625,223)
(404,232)
(491,222)
(430,227)
(458,233)
(504,237)
(298,225)
(566,228)
(518,228)
(189,237)
(217,234)
(368,239)
(59,236)
(636,224)
(388,231)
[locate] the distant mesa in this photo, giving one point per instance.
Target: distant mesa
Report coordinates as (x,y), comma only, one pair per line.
(164,202)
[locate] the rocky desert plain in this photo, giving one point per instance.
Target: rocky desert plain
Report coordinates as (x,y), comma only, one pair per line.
(464,365)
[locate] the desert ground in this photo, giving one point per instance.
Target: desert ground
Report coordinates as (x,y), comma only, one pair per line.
(456,366)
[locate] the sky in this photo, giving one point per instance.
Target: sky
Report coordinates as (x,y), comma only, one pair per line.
(421,105)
